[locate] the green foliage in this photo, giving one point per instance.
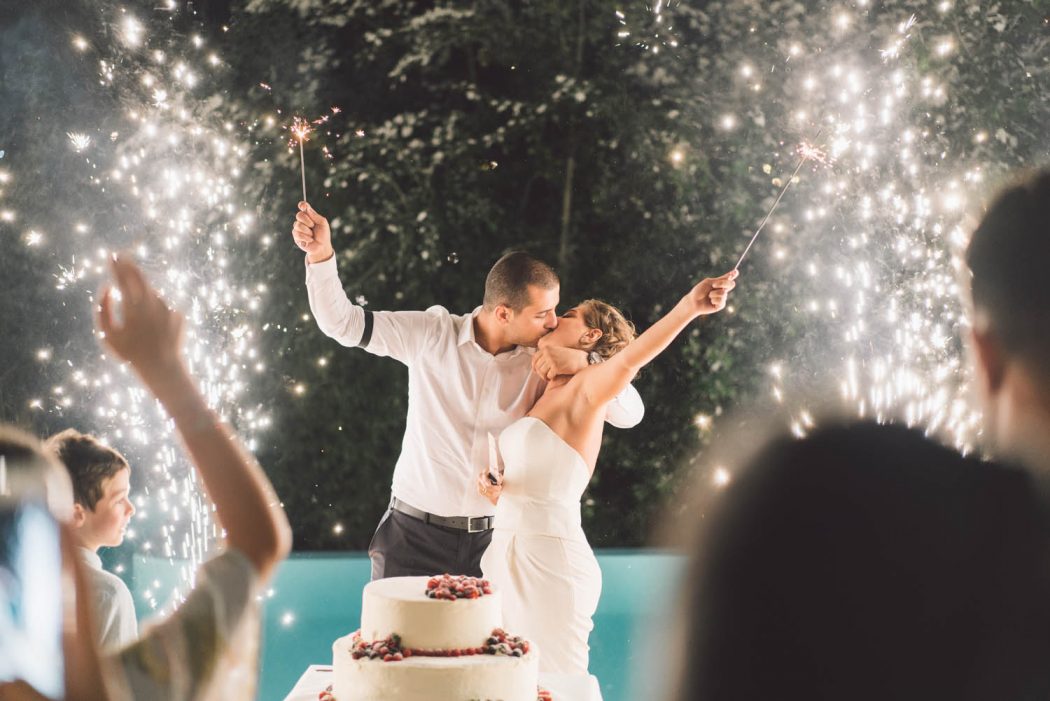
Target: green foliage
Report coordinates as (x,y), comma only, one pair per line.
(488,127)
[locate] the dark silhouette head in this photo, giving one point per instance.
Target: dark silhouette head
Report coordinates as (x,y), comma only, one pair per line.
(866,562)
(1008,256)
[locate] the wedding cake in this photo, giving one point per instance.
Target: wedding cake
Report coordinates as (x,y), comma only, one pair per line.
(433,639)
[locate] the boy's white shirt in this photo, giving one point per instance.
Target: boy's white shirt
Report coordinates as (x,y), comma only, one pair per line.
(112,603)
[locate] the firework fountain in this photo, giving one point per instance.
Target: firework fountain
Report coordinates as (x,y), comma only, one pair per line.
(163,172)
(865,250)
(879,233)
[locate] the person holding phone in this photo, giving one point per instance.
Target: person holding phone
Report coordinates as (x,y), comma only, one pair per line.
(207,647)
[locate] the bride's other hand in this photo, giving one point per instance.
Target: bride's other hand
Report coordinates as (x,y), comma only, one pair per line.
(489,490)
(551,361)
(710,295)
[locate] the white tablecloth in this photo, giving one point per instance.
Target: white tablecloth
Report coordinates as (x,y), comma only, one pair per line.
(316,679)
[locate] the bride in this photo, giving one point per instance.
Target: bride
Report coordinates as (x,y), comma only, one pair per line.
(539,556)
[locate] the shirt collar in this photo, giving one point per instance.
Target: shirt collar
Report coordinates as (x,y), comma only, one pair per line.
(466,331)
(89,557)
(466,335)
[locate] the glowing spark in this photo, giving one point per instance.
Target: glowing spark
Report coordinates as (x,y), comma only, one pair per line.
(720,477)
(79,141)
(80,43)
(811,152)
(132,31)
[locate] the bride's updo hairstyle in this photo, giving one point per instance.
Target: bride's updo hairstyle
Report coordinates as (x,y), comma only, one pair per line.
(616,330)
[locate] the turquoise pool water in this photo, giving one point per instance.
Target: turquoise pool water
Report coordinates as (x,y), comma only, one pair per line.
(316,598)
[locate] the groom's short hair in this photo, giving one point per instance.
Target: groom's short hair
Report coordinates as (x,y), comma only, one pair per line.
(508,281)
(1007,257)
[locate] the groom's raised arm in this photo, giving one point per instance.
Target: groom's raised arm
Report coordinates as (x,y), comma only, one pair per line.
(399,335)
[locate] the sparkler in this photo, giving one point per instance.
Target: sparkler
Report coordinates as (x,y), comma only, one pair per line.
(806,151)
(300,128)
(869,276)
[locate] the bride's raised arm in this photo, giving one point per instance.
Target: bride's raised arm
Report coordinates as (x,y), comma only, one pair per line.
(601,383)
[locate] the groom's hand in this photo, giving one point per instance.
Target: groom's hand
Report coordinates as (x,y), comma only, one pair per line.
(552,361)
(312,234)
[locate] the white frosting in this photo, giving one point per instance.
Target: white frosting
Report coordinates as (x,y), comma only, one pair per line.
(400,605)
(485,677)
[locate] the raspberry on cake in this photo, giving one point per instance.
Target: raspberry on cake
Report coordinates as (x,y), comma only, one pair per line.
(459,587)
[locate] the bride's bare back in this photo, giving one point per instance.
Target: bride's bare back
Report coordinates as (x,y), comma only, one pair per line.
(563,407)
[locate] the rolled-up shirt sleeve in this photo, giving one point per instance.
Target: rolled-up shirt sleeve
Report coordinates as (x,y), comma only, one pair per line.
(336,315)
(400,335)
(181,656)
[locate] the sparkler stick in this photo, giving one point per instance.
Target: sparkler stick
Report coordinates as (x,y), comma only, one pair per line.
(302,167)
(806,151)
(301,127)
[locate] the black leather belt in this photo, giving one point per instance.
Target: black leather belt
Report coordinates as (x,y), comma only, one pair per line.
(470,524)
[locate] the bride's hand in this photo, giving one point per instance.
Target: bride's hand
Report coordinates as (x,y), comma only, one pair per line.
(710,295)
(489,490)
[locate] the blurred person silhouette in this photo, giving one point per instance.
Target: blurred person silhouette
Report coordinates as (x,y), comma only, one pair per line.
(40,648)
(207,648)
(866,562)
(1010,294)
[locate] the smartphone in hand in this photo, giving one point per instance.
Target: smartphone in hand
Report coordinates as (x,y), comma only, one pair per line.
(31,600)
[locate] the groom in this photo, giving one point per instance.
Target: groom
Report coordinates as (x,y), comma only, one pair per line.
(469,377)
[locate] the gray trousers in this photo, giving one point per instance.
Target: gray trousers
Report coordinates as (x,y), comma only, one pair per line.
(404,546)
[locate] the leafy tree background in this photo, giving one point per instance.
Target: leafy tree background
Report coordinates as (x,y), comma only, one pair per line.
(469,129)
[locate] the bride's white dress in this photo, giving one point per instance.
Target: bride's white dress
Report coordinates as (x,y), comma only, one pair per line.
(539,557)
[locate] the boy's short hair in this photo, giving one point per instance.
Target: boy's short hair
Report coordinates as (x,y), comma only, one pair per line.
(89,462)
(509,279)
(1007,257)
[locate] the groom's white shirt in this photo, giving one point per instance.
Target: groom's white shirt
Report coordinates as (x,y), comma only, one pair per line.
(458,393)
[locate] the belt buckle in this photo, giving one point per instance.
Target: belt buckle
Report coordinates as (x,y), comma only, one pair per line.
(470,524)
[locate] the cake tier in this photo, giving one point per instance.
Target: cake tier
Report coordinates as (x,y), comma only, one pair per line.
(433,678)
(400,606)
